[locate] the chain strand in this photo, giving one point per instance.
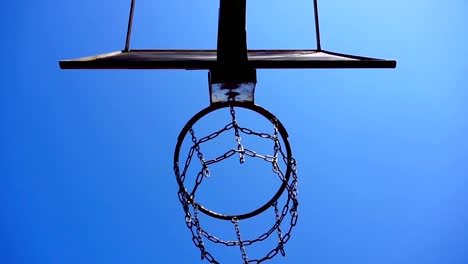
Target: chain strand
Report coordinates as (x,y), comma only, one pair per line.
(235,221)
(240,148)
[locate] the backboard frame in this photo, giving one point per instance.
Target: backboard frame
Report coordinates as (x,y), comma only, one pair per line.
(231,47)
(206,59)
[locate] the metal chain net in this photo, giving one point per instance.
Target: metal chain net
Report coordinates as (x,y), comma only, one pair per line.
(199,235)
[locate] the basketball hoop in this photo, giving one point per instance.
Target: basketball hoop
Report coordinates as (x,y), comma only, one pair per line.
(232,78)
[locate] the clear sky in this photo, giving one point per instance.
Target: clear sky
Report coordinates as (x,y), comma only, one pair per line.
(86,156)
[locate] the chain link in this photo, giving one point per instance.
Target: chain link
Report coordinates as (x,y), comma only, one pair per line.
(201,245)
(217,133)
(205,172)
(292,196)
(240,148)
(226,155)
(248,131)
(205,169)
(280,235)
(235,221)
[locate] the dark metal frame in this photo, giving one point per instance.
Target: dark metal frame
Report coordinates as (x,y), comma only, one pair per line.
(317,25)
(130,26)
(213,107)
(235,12)
(140,61)
(232,62)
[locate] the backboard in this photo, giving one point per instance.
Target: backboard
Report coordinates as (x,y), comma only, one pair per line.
(207,59)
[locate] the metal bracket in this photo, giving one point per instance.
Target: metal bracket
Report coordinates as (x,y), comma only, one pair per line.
(232,79)
(236,84)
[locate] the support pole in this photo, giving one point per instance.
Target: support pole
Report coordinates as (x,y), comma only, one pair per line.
(129,28)
(317,26)
(232,78)
(232,36)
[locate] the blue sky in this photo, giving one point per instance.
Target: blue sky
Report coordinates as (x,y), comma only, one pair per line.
(86,156)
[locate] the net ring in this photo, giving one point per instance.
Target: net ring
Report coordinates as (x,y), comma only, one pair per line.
(250,106)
